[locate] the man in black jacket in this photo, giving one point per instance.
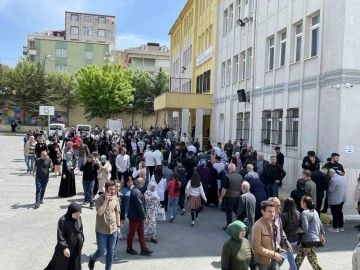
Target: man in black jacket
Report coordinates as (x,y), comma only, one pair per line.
(321,180)
(279,157)
(137,217)
(311,162)
(274,174)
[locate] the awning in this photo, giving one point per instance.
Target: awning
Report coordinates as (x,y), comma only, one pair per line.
(174,101)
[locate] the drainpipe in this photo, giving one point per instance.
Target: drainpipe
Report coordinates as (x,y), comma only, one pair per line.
(253,70)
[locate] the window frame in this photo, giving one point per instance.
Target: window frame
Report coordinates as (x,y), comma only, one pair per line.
(61,68)
(271,51)
(292,129)
(228,71)
(236,68)
(243,65)
(239,125)
(277,126)
(231,17)
(104,31)
(87,19)
(282,55)
(62,53)
(89,56)
(87,29)
(249,63)
(246,129)
(313,28)
(74,27)
(223,73)
(265,129)
(225,21)
(238,9)
(75,16)
(298,36)
(100,19)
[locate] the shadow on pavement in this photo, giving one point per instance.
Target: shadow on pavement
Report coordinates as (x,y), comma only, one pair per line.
(19,206)
(216,265)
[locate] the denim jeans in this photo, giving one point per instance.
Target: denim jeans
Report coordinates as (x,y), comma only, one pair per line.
(80,161)
(89,190)
(40,188)
(173,204)
(290,256)
(274,266)
(273,190)
(105,244)
(30,160)
(249,228)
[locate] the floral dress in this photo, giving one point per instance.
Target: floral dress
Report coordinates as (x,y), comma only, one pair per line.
(152,209)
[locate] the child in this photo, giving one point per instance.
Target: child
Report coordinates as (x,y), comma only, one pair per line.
(174,194)
(57,163)
(194,191)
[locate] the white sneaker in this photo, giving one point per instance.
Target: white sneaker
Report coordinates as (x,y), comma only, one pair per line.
(193,223)
(341,230)
(333,230)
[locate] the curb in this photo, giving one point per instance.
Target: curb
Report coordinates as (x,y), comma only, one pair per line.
(13,135)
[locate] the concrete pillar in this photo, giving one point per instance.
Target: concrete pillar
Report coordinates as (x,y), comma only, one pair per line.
(199,126)
(185,113)
(170,118)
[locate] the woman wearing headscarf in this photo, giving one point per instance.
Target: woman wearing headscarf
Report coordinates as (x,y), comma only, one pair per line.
(160,183)
(68,148)
(236,253)
(152,200)
(212,195)
(67,185)
(104,173)
(205,176)
(70,240)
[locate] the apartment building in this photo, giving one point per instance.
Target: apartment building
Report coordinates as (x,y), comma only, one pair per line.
(296,62)
(93,28)
(193,45)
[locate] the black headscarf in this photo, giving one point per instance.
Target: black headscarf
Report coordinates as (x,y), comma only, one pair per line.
(73,208)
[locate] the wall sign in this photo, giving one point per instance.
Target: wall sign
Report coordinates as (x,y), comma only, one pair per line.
(204,56)
(349,149)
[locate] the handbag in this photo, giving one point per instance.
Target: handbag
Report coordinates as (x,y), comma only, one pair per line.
(161,215)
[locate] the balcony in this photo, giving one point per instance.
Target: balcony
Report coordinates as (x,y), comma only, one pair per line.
(174,101)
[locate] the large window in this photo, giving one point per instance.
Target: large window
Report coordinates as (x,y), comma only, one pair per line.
(101,33)
(282,49)
(276,137)
(61,52)
(231,16)
(314,35)
(266,127)
(239,125)
(298,42)
(101,20)
(87,31)
(225,21)
(87,19)
(271,53)
(246,133)
(292,127)
(223,73)
(236,68)
(249,65)
(228,72)
(238,10)
(243,65)
(89,55)
(75,17)
(203,82)
(74,30)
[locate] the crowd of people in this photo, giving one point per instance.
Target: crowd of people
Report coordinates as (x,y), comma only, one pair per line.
(136,176)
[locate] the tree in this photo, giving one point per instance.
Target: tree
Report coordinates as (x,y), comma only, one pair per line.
(27,88)
(4,93)
(103,91)
(62,86)
(160,86)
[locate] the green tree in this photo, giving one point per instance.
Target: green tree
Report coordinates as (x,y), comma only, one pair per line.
(103,91)
(160,86)
(4,93)
(62,86)
(27,88)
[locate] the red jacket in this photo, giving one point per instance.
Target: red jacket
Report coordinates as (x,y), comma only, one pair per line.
(75,142)
(172,193)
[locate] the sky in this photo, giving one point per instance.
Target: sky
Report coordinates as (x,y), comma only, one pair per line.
(137,21)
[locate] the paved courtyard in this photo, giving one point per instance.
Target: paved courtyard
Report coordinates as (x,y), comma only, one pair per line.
(28,236)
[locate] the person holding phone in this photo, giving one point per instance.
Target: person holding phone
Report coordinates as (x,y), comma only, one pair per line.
(107,225)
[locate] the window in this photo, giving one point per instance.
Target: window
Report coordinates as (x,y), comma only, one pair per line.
(271,53)
(87,31)
(249,65)
(32,44)
(276,131)
(282,49)
(266,127)
(292,127)
(239,125)
(101,33)
(210,35)
(246,133)
(238,10)
(89,55)
(243,65)
(101,20)
(225,21)
(223,73)
(231,17)
(236,68)
(228,73)
(298,41)
(87,19)
(314,35)
(61,52)
(246,8)
(61,68)
(74,17)
(74,30)
(32,57)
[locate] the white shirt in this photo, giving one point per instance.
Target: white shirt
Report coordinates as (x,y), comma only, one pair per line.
(109,133)
(123,162)
(136,173)
(160,187)
(134,146)
(158,157)
(195,192)
(149,158)
(356,258)
(184,139)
